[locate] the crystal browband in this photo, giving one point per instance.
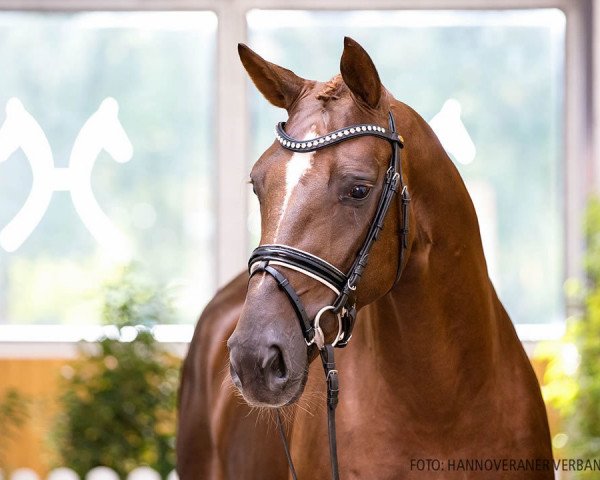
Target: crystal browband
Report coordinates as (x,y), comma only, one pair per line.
(333,137)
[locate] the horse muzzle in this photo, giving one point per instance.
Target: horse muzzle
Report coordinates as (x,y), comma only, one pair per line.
(262,373)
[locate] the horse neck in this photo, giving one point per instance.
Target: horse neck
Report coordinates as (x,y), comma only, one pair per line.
(437,328)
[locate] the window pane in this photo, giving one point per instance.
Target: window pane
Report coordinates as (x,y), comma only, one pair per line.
(491,85)
(105,158)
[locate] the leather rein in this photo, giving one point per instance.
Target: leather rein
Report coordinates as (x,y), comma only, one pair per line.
(266,258)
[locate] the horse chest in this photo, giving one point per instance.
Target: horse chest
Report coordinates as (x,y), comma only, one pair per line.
(372,439)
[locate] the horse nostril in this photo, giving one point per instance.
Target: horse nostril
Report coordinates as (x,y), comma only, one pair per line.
(275,364)
(235,378)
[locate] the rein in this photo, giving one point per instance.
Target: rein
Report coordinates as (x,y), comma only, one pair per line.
(266,257)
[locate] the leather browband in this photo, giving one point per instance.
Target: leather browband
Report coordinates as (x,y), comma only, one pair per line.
(334,137)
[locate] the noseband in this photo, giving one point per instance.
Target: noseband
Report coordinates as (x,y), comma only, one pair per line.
(266,257)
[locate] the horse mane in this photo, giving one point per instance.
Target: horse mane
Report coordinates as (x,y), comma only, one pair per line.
(332,89)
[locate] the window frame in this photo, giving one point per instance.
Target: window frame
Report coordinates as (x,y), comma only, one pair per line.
(232,123)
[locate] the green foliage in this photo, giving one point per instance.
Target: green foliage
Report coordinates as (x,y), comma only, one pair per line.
(133,299)
(14,411)
(560,387)
(592,237)
(119,399)
(572,378)
(587,334)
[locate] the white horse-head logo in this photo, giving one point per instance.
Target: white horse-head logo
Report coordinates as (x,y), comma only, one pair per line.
(102,131)
(451,131)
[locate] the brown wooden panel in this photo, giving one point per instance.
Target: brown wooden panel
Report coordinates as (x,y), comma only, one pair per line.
(39,380)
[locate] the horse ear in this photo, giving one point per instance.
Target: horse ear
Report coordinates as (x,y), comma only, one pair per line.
(360,74)
(279,85)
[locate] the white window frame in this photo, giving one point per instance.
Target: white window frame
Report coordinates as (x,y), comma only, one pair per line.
(582,129)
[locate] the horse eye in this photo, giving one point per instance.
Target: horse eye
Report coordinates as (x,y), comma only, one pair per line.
(359,192)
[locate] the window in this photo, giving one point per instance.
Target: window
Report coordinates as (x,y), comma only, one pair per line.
(106,157)
(507,90)
(491,83)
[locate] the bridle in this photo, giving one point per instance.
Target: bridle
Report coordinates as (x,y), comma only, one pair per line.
(266,257)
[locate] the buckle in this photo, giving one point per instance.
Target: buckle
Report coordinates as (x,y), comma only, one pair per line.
(392,176)
(319,338)
(405,195)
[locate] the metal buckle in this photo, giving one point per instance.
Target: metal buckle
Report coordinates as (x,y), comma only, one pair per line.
(390,173)
(319,337)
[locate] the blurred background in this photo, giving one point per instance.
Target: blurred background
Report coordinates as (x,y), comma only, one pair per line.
(128,130)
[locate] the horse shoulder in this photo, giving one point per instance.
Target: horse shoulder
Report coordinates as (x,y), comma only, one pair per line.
(202,376)
(525,412)
(219,435)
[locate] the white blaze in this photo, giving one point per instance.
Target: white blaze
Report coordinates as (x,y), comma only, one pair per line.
(296,168)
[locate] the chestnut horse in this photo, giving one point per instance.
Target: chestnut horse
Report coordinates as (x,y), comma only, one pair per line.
(434,376)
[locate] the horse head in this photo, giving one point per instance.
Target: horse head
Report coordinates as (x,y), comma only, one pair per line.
(321,202)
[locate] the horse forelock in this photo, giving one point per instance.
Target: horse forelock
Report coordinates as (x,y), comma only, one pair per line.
(332,90)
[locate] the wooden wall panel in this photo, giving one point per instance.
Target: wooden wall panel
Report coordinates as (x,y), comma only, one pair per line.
(39,380)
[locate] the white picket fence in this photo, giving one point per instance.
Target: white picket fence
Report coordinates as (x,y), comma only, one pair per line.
(98,473)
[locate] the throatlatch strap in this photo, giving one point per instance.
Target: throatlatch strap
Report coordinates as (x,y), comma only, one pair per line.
(405,231)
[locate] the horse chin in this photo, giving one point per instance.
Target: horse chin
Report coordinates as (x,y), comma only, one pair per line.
(287,396)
